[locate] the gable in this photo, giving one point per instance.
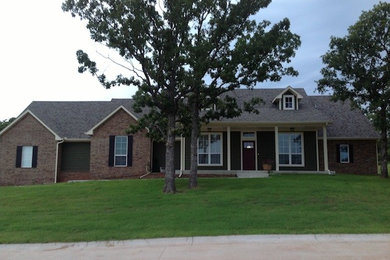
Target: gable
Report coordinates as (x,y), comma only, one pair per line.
(121,112)
(288,99)
(29,115)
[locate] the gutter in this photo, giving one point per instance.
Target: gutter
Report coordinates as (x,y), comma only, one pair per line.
(56,169)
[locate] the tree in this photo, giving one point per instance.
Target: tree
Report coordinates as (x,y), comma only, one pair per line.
(6,122)
(185,54)
(358,69)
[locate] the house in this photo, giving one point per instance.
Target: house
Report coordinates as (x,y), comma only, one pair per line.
(60,141)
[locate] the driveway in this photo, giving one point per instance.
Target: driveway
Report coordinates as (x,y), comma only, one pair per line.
(220,247)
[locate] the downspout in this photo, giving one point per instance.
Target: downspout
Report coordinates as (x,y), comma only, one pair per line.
(56,169)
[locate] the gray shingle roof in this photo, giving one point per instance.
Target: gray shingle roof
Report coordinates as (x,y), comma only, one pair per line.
(346,122)
(72,119)
(270,112)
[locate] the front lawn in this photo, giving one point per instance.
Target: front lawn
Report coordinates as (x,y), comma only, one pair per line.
(116,210)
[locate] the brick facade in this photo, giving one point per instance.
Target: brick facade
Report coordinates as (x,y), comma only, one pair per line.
(117,125)
(30,132)
(364,157)
(27,132)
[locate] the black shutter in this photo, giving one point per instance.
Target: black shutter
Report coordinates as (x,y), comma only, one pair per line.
(350,153)
(111,151)
(130,150)
(338,153)
(34,157)
(18,156)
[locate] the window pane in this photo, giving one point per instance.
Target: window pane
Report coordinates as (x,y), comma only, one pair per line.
(203,158)
(27,153)
(203,144)
(283,159)
(288,102)
(215,146)
(215,159)
(249,145)
(344,153)
(248,134)
(121,145)
(296,144)
(283,143)
(296,159)
(120,160)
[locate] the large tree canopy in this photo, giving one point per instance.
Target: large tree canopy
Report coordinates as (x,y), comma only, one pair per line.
(183,52)
(358,69)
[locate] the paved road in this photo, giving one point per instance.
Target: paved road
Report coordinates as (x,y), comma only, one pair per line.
(222,247)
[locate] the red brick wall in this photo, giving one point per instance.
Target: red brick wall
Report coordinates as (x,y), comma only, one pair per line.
(364,157)
(27,132)
(117,125)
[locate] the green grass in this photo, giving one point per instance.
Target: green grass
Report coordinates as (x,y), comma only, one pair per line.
(115,210)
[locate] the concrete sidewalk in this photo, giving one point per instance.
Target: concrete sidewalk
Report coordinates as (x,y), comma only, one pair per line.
(220,247)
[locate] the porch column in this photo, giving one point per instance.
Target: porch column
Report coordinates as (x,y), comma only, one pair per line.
(229,162)
(325,140)
(182,154)
(277,148)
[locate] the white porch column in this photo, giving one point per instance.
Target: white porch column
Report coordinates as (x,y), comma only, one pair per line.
(277,148)
(229,161)
(182,154)
(325,141)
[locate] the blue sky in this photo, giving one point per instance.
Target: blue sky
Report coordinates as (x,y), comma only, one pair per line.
(38,45)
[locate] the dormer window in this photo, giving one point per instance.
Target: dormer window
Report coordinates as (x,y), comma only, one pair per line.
(288,99)
(288,102)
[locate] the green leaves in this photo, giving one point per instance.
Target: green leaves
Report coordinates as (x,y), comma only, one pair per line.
(187,50)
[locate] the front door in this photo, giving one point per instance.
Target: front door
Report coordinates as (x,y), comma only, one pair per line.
(248,155)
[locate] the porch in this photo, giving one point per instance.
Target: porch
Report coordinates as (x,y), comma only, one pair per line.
(236,148)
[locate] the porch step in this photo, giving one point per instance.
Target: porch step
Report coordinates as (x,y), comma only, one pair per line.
(252,174)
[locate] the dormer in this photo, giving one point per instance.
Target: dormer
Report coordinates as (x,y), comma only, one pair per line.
(288,99)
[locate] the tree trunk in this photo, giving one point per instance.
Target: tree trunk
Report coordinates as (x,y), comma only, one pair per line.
(170,186)
(384,171)
(194,145)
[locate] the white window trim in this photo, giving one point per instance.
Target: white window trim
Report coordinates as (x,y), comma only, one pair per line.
(30,159)
(303,151)
(284,102)
(209,154)
(344,145)
(115,155)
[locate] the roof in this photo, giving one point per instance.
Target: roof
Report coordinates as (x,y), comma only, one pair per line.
(269,111)
(346,121)
(72,120)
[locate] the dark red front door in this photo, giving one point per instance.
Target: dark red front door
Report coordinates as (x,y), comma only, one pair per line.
(248,155)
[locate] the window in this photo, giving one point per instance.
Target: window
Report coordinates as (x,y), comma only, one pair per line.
(288,102)
(291,149)
(210,149)
(344,153)
(248,135)
(120,151)
(26,156)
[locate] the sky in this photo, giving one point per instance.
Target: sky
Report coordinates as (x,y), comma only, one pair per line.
(39,41)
